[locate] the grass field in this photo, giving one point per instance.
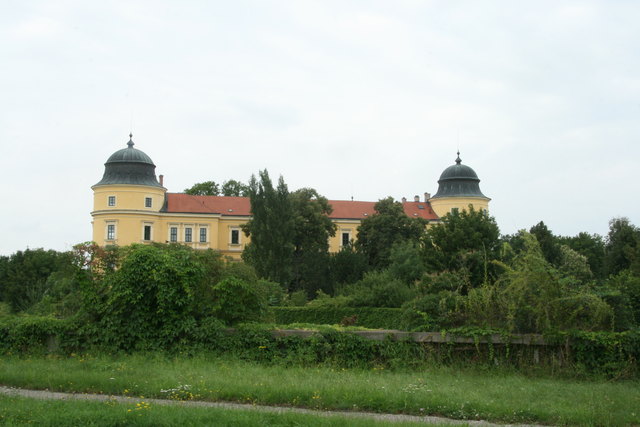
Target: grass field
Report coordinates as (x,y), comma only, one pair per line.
(20,411)
(456,393)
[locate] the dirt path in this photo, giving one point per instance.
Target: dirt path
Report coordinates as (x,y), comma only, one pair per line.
(44,394)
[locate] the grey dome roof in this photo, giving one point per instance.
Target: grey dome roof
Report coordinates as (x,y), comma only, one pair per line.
(129,166)
(459,181)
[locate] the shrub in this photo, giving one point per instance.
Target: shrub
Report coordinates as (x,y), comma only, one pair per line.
(532,297)
(272,292)
(150,300)
(379,289)
(455,281)
(238,301)
(297,298)
(433,312)
(240,270)
(326,301)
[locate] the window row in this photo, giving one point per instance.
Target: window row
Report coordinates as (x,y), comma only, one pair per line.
(188,234)
(202,232)
(148,201)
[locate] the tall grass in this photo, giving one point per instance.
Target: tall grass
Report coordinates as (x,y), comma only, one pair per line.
(450,392)
(21,411)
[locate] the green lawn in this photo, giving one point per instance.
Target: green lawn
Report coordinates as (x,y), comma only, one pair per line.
(463,394)
(19,411)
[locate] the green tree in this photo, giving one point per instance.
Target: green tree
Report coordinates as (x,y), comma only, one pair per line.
(622,247)
(549,243)
(406,262)
(465,240)
(389,225)
(24,276)
(271,229)
(574,265)
(234,188)
(591,246)
(626,289)
(312,229)
(150,300)
(347,265)
(531,297)
(207,188)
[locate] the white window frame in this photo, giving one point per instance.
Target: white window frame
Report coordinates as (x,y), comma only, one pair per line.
(206,235)
(231,230)
(115,230)
(172,226)
(111,201)
(148,202)
(150,225)
(190,228)
(344,231)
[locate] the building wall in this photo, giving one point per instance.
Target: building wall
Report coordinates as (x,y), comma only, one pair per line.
(443,205)
(343,226)
(130,215)
(128,227)
(127,197)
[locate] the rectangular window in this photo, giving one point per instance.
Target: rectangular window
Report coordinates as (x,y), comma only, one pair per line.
(112,200)
(173,234)
(111,232)
(235,237)
(147,202)
(346,239)
(188,236)
(203,235)
(147,232)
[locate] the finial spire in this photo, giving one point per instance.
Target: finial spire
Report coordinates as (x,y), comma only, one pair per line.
(458,160)
(130,143)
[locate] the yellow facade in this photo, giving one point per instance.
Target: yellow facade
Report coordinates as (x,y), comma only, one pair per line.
(445,205)
(343,227)
(135,219)
(130,206)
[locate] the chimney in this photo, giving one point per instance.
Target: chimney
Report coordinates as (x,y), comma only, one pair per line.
(427,196)
(161,180)
(404,200)
(416,198)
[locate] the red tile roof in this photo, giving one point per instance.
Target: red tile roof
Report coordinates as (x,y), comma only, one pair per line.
(240,206)
(185,203)
(419,210)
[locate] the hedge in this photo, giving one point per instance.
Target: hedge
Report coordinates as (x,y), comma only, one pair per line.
(614,354)
(367,317)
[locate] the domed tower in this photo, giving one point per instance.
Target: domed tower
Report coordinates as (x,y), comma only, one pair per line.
(127,200)
(458,187)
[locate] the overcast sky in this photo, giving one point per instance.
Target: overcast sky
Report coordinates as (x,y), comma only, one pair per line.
(354,98)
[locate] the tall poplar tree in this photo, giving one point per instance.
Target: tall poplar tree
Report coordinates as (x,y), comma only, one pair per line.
(271,229)
(312,229)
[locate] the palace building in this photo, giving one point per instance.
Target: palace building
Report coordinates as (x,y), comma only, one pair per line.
(130,205)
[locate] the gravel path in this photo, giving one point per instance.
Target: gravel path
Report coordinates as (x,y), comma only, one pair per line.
(44,394)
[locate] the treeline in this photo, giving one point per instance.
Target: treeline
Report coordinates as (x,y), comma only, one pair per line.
(460,273)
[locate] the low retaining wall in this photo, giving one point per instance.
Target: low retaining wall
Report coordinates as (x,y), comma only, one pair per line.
(426,337)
